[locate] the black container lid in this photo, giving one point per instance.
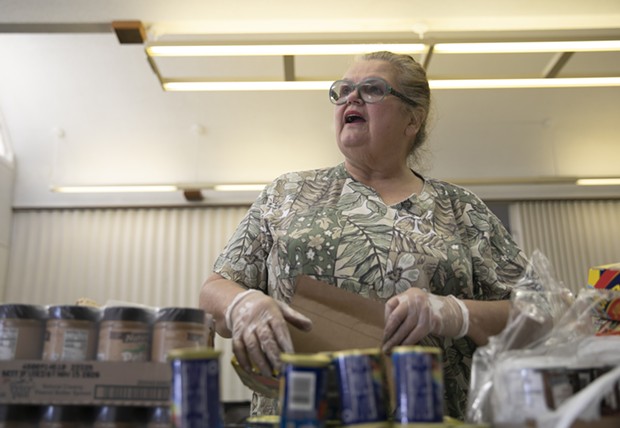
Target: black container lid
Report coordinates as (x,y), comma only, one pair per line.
(19,413)
(159,414)
(121,414)
(180,315)
(22,311)
(74,312)
(127,313)
(57,413)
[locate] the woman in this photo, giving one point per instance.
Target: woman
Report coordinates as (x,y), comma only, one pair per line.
(437,256)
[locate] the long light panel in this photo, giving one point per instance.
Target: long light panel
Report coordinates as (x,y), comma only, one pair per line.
(245,187)
(115,189)
(168,50)
(556,82)
(528,47)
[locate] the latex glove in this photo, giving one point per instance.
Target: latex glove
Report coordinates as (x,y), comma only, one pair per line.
(259,330)
(415,313)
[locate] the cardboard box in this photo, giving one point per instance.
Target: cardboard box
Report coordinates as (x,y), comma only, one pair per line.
(85,383)
(341,320)
(607,277)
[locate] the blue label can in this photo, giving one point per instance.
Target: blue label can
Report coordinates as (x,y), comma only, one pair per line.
(418,384)
(195,391)
(362,387)
(303,390)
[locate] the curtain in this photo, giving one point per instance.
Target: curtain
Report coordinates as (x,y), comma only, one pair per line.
(156,257)
(573,235)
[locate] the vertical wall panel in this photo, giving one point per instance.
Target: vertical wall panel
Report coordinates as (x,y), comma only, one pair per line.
(157,257)
(573,235)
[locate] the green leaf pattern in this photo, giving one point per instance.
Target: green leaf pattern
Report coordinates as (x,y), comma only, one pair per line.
(325,224)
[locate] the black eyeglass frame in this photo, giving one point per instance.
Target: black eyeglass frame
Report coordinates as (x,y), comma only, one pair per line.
(388,88)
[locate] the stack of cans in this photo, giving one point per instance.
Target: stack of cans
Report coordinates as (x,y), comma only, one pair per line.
(362,387)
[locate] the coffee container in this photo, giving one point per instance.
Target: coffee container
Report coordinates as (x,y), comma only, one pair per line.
(55,416)
(124,334)
(71,333)
(120,417)
(159,417)
(177,328)
(21,331)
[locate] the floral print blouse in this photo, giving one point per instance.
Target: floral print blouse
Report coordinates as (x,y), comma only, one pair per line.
(325,224)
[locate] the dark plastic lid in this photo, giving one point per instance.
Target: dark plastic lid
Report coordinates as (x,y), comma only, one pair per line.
(121,414)
(127,313)
(159,414)
(56,413)
(22,311)
(74,312)
(180,315)
(19,413)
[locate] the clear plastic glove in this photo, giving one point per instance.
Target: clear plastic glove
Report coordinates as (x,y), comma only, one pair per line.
(415,313)
(259,330)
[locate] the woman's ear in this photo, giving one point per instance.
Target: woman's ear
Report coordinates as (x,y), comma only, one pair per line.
(415,123)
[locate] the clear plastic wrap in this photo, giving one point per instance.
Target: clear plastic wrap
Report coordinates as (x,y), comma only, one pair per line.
(549,353)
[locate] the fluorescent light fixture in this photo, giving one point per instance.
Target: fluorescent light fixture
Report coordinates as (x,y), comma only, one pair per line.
(528,47)
(246,86)
(555,82)
(115,189)
(434,84)
(275,50)
(238,187)
(612,181)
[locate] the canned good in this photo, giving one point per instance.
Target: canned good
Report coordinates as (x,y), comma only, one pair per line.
(303,390)
(362,387)
(195,391)
(418,383)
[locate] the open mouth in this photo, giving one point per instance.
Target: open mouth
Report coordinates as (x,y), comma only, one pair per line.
(353,118)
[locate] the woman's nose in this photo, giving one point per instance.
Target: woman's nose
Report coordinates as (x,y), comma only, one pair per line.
(354,97)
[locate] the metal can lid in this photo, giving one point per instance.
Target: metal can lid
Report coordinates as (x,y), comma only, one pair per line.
(365,351)
(197,353)
(306,360)
(262,421)
(416,349)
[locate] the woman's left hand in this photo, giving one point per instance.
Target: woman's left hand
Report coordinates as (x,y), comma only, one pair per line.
(415,313)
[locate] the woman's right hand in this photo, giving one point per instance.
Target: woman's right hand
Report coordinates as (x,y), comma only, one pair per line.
(259,330)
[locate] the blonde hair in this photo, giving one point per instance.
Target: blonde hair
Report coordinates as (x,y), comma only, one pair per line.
(412,82)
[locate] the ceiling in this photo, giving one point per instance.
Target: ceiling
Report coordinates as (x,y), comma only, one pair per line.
(80,108)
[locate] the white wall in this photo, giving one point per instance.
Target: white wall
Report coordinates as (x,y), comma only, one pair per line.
(6,197)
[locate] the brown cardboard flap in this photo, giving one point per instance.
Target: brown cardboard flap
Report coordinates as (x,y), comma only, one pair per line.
(341,319)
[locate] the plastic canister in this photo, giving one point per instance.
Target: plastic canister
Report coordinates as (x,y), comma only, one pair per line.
(21,331)
(19,416)
(120,417)
(177,328)
(124,334)
(71,333)
(55,416)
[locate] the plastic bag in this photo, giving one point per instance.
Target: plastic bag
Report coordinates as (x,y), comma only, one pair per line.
(528,371)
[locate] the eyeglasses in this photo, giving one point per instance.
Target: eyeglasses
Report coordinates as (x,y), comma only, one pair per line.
(371,90)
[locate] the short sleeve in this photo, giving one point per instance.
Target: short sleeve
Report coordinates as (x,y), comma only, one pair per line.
(243,260)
